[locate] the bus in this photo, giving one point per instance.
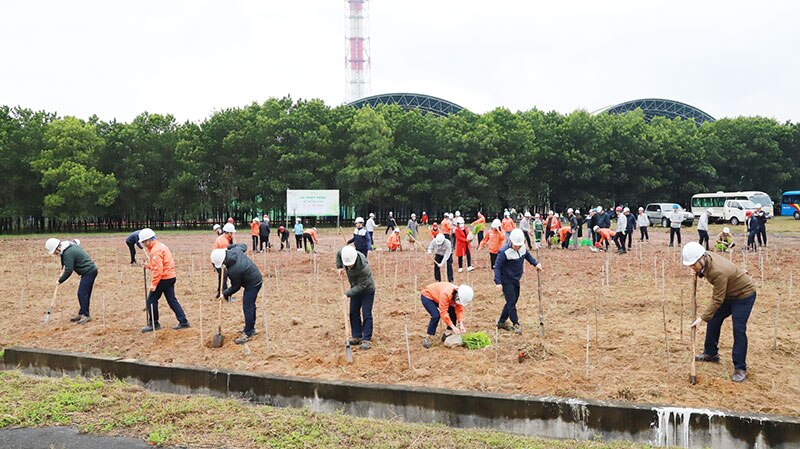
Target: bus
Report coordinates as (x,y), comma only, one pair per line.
(790,204)
(716,202)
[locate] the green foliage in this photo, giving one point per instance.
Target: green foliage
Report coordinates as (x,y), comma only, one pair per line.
(160,435)
(476,340)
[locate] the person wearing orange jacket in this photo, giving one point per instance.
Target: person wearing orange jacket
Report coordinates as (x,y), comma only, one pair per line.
(162,267)
(446,227)
(463,243)
(551,227)
(564,235)
(603,235)
(254,231)
(496,239)
(310,236)
(507,225)
(477,226)
(223,241)
(434,230)
(424,218)
(394,241)
(446,301)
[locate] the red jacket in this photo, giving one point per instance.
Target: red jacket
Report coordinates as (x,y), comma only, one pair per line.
(434,230)
(462,245)
(424,218)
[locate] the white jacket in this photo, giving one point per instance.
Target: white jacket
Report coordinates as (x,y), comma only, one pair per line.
(675,219)
(370,225)
(643,220)
(622,223)
(702,222)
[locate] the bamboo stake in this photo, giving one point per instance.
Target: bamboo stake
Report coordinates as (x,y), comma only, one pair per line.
(587,349)
(396,263)
(761,265)
(666,337)
(264,318)
(103,300)
(21,299)
(777,321)
(681,314)
(408,347)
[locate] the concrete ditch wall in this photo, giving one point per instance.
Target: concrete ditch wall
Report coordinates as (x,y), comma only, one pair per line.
(530,415)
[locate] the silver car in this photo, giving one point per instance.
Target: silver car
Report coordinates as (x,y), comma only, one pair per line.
(659,213)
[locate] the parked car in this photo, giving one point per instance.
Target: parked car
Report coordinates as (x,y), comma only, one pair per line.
(659,213)
(736,210)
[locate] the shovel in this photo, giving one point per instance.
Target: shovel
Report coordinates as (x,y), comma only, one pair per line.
(53,302)
(348,350)
(218,339)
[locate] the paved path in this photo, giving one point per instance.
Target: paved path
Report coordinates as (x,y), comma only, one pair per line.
(64,438)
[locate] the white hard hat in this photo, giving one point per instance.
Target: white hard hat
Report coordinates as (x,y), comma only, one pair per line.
(458,213)
(390,213)
(229,227)
(349,255)
(528,214)
(256,220)
(215,227)
(577,211)
(709,211)
(517,237)
(596,228)
(692,252)
(452,216)
(396,230)
(465,294)
(413,215)
(297,220)
(569,211)
(758,206)
(218,256)
(439,239)
(626,210)
(496,223)
(371,215)
(641,208)
(726,230)
(51,245)
(147,234)
(537,215)
(549,212)
(360,219)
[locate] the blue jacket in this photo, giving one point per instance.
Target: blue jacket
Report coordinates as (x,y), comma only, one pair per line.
(753,225)
(361,240)
(630,225)
(509,264)
(603,220)
(298,229)
(134,238)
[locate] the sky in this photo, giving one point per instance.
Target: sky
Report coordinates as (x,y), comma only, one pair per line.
(117,59)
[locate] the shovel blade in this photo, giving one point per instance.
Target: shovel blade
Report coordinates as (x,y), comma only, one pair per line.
(348,353)
(218,339)
(46,317)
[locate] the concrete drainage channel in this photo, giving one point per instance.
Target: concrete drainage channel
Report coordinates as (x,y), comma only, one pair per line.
(530,415)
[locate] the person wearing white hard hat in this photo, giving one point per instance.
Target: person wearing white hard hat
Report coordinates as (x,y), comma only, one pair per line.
(762,217)
(725,240)
(362,239)
(551,226)
(702,227)
(298,233)
(442,251)
(591,222)
(413,226)
(391,224)
(223,241)
(361,294)
(254,232)
(132,241)
(525,226)
(643,222)
(630,226)
(393,243)
(538,230)
(243,273)
(463,245)
(424,218)
(619,236)
(446,227)
(507,224)
(734,294)
(478,225)
(495,238)
(75,259)
(675,221)
(217,229)
(507,272)
(371,225)
(163,277)
(445,301)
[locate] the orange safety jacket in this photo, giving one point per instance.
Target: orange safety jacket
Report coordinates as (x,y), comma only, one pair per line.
(495,238)
(394,241)
(446,227)
(562,233)
(254,228)
(481,219)
(434,230)
(442,294)
(605,234)
(161,264)
(222,242)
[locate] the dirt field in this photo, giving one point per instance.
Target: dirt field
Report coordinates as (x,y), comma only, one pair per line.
(628,359)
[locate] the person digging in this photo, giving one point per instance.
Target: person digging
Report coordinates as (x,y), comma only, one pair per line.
(75,258)
(162,269)
(508,270)
(446,301)
(242,273)
(733,296)
(361,294)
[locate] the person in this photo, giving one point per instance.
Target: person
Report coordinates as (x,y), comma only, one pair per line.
(604,235)
(581,220)
(434,230)
(564,235)
(525,225)
(230,220)
(446,301)
(75,259)
(223,241)
(453,225)
(310,236)
(725,240)
(551,227)
(361,294)
(538,230)
(442,251)
(217,229)
(734,294)
(675,219)
(507,225)
(362,239)
(630,225)
(243,273)
(391,224)
(413,226)
(446,227)
(702,227)
(371,225)
(603,219)
(507,272)
(394,241)
(163,277)
(619,237)
(496,239)
(753,229)
(254,233)
(283,233)
(762,217)
(477,226)
(463,243)
(298,233)
(574,228)
(424,218)
(133,241)
(263,233)
(591,221)
(643,221)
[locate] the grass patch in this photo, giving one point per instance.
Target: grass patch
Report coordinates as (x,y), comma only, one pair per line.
(114,407)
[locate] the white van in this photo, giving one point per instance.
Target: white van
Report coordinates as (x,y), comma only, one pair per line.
(735,211)
(716,202)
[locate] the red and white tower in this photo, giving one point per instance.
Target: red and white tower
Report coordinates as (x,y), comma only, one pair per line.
(357,60)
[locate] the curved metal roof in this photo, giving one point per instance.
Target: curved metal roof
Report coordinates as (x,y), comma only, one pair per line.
(424,103)
(660,107)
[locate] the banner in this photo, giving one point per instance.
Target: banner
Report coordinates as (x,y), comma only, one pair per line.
(317,203)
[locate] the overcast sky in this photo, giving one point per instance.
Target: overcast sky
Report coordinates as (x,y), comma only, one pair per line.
(189,58)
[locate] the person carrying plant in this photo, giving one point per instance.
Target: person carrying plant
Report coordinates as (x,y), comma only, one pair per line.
(442,251)
(162,269)
(507,272)
(361,294)
(496,239)
(243,273)
(413,226)
(75,259)
(445,301)
(734,294)
(725,240)
(310,236)
(477,226)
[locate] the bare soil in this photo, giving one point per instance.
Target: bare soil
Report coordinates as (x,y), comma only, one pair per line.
(628,355)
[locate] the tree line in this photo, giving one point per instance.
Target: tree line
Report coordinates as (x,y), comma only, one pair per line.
(63,172)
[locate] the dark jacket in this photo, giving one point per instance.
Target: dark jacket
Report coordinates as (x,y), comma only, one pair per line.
(603,220)
(509,264)
(134,238)
(753,225)
(241,271)
(360,276)
(630,224)
(74,258)
(573,223)
(263,229)
(361,240)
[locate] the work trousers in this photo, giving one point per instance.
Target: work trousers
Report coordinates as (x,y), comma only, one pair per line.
(249,308)
(437,271)
(361,315)
(255,242)
(644,234)
(672,233)
(298,239)
(619,240)
(167,288)
(739,311)
(433,310)
(703,237)
(85,288)
(132,250)
(511,294)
